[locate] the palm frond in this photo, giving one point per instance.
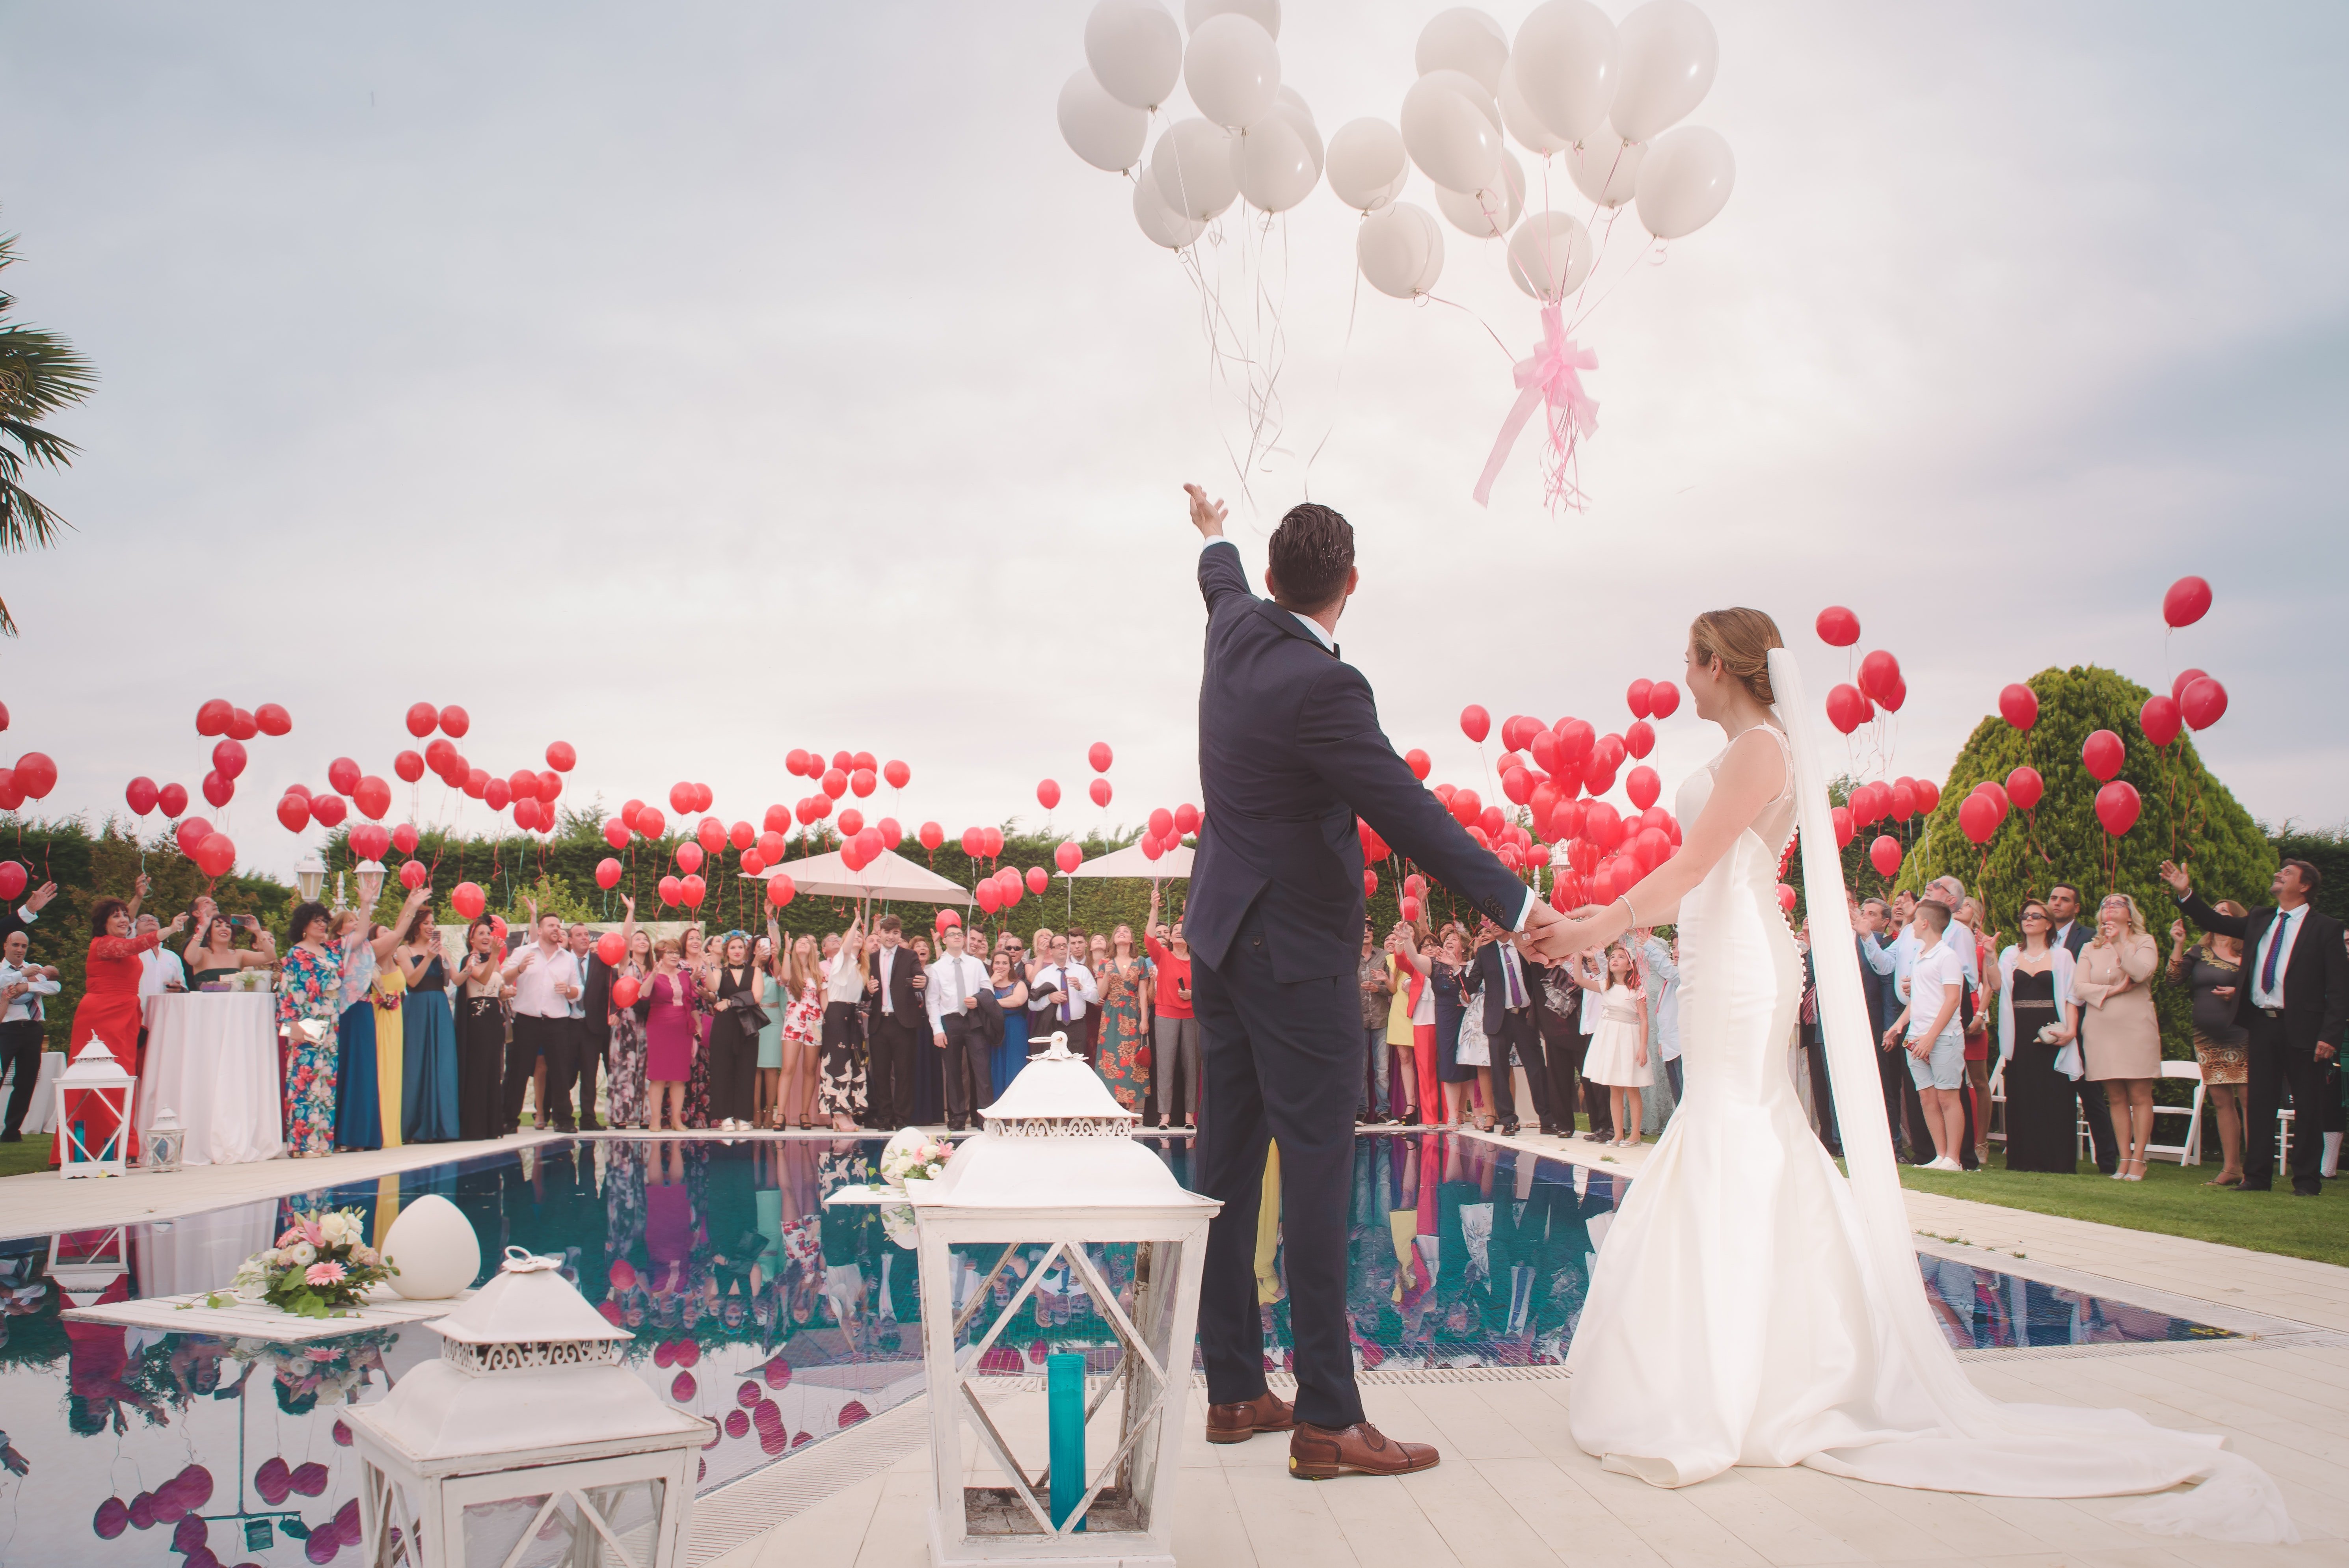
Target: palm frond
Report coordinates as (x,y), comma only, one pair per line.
(40,373)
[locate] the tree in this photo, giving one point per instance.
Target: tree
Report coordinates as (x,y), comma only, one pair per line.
(40,376)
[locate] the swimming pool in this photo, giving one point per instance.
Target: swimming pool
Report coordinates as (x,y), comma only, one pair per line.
(751,1304)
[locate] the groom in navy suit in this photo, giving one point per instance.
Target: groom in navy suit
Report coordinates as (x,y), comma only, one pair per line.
(1290,754)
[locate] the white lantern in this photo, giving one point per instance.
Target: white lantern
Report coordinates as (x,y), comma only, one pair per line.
(1058,1167)
(527,1438)
(94,1082)
(85,1264)
(159,1151)
(309,876)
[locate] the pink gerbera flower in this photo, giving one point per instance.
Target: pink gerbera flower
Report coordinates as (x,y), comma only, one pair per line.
(324,1274)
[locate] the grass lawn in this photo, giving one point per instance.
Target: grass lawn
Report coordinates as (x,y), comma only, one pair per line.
(32,1154)
(2171,1201)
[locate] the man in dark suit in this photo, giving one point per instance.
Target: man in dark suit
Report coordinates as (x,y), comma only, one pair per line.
(1290,754)
(1869,918)
(901,1026)
(2072,933)
(590,1022)
(2292,1002)
(1508,984)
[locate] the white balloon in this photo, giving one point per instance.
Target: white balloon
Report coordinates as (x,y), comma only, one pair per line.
(1564,62)
(1531,133)
(1367,164)
(1684,181)
(1469,87)
(1401,251)
(1098,128)
(1605,167)
(435,1248)
(1135,51)
(1274,167)
(1266,12)
(1233,70)
(1448,135)
(1666,54)
(1162,223)
(1192,165)
(1287,106)
(1464,39)
(1488,214)
(1549,256)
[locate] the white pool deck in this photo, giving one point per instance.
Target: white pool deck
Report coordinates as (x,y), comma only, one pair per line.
(1512,1489)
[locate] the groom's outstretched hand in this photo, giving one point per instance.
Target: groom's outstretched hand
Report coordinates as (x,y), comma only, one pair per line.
(1546,933)
(1206,516)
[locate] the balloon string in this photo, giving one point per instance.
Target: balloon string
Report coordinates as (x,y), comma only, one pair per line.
(1338,383)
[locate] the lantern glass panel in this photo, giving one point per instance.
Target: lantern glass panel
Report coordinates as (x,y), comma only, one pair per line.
(563,1533)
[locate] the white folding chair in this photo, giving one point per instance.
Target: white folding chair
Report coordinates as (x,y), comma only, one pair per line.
(2283,1138)
(1997,1133)
(2189,1152)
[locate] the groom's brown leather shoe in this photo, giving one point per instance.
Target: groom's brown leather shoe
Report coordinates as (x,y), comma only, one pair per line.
(1318,1453)
(1268,1412)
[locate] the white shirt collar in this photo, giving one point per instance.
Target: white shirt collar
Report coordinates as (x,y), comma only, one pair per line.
(1321,633)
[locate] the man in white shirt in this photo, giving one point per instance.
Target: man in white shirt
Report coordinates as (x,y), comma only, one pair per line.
(956,982)
(1935,1039)
(545,978)
(159,969)
(23,983)
(1057,1001)
(1664,975)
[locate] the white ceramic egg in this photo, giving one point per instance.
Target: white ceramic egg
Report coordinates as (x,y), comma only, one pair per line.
(433,1245)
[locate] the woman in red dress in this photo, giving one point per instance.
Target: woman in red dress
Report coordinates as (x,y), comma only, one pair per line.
(109,1009)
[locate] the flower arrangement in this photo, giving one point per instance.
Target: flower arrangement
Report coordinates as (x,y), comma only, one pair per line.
(321,1267)
(913,1155)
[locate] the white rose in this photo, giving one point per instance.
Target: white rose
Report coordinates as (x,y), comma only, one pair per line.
(301,1254)
(335,1228)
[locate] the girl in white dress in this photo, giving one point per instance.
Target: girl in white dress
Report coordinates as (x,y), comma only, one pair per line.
(1619,1046)
(1752,1306)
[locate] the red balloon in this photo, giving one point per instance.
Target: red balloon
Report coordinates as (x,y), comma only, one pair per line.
(369,841)
(2160,718)
(191,831)
(1162,824)
(1098,755)
(2024,787)
(625,992)
(1642,786)
(241,726)
(2102,755)
(1639,738)
(693,890)
(549,785)
(1663,700)
(932,835)
(1785,898)
(1846,830)
(1100,791)
(852,823)
(212,718)
(326,810)
(689,856)
(173,799)
(1884,854)
(141,794)
(228,759)
(1069,855)
(2018,706)
(2117,806)
(216,856)
(1838,627)
(467,900)
(1639,697)
(835,784)
(989,896)
(454,722)
(649,823)
(403,838)
(1651,849)
(496,796)
(1475,723)
(295,812)
(1978,817)
(1904,801)
(607,877)
(2204,705)
(1048,794)
(861,781)
(1847,707)
(1891,701)
(892,835)
(1879,674)
(797,762)
(218,790)
(36,775)
(343,775)
(1418,762)
(669,890)
(770,846)
(423,718)
(2188,600)
(1187,818)
(711,833)
(1518,784)
(780,890)
(408,766)
(2185,678)
(372,797)
(271,719)
(897,773)
(681,797)
(1929,795)
(411,875)
(1574,740)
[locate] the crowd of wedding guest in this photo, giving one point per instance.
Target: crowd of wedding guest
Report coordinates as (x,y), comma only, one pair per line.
(393,1033)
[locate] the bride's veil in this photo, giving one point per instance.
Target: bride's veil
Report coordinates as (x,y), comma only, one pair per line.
(1996,1448)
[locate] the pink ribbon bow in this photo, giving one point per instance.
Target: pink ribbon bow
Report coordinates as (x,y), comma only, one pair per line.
(1550,378)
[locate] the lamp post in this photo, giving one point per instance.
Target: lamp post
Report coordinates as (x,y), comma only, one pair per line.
(527,1429)
(1058,1167)
(309,875)
(92,1085)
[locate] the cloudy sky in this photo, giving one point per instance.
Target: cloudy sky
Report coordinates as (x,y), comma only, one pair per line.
(694,382)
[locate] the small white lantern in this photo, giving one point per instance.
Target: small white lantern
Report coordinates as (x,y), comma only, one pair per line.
(94,1081)
(85,1264)
(309,876)
(1057,1165)
(159,1150)
(528,1437)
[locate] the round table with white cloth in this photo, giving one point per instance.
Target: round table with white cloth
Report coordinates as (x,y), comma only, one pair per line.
(212,1057)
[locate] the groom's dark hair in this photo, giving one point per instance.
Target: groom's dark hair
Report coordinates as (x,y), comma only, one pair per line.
(1312,552)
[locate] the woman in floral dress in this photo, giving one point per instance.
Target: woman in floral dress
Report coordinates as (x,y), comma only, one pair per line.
(309,1000)
(625,1084)
(803,1033)
(699,966)
(1124,1024)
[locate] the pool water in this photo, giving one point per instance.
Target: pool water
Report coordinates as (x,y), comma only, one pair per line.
(751,1304)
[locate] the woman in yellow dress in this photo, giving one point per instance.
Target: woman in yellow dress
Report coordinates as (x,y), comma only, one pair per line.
(386,992)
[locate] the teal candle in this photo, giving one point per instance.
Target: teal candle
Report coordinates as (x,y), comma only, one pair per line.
(1064,1402)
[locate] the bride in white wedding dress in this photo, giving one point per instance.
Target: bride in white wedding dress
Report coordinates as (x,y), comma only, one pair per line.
(1752,1306)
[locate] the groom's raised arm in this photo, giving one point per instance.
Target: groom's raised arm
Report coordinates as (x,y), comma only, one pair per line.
(1220,572)
(1338,736)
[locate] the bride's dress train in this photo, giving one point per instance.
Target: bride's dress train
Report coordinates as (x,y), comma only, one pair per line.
(1753,1306)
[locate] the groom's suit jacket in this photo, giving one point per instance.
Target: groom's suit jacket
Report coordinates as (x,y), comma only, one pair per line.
(1290,754)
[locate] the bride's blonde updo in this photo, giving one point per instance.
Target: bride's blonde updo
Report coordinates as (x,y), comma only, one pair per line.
(1741,640)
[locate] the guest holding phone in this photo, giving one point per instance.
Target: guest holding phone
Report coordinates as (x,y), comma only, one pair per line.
(214,957)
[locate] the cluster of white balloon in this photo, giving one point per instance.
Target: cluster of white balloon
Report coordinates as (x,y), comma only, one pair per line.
(1604,99)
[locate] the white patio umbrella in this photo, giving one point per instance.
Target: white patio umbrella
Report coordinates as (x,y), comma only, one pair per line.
(1171,865)
(888,876)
